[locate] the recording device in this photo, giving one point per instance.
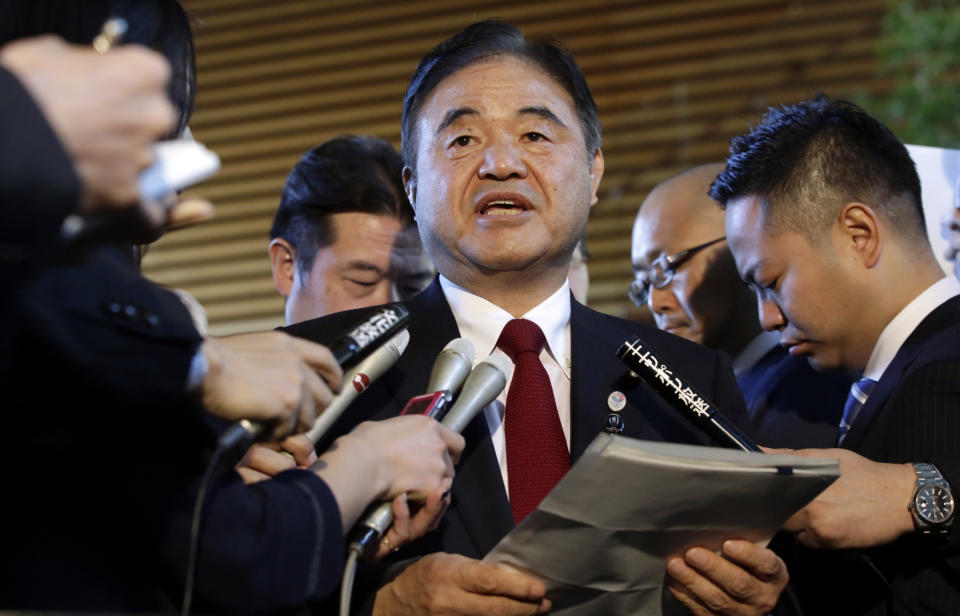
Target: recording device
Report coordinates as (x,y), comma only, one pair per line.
(178,164)
(681,396)
(481,387)
(451,367)
(373,332)
(357,380)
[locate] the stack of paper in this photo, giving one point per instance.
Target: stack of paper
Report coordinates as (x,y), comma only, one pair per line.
(600,540)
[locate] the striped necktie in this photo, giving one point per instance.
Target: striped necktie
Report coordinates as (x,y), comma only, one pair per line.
(857,397)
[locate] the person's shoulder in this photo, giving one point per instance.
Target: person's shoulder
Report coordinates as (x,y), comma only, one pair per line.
(608,326)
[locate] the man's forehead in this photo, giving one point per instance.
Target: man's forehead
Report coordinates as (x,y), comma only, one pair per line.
(519,85)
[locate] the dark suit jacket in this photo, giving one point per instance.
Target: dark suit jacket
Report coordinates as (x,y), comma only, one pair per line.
(479,515)
(912,415)
(104,446)
(790,403)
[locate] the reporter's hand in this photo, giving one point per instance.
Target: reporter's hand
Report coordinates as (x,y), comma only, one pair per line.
(425,517)
(269,377)
(453,584)
(868,505)
(411,454)
(107,110)
(264,460)
(746,579)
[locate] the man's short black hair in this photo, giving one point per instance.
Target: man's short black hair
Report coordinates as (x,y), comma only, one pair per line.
(484,40)
(809,159)
(160,25)
(344,174)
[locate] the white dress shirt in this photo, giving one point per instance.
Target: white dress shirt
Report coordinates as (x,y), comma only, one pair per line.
(901,326)
(481,322)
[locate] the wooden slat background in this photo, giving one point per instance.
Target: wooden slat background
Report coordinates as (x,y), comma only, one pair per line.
(674,80)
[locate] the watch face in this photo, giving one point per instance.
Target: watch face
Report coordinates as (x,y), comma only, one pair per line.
(934,504)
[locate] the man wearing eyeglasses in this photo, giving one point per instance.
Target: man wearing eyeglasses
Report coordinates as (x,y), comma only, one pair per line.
(684,272)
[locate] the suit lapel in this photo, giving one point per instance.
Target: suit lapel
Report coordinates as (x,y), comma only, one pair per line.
(479,497)
(945,315)
(590,379)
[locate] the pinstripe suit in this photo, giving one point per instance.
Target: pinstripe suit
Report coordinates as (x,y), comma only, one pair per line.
(912,415)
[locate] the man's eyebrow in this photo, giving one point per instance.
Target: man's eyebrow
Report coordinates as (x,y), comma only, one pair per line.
(453,115)
(364,266)
(542,112)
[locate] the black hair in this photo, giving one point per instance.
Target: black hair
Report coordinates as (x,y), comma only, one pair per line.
(160,25)
(481,41)
(809,159)
(344,174)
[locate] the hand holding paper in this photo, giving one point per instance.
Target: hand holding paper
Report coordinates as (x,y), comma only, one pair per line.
(745,579)
(867,506)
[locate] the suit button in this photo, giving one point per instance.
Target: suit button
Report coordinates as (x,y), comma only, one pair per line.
(130,311)
(114,308)
(151,319)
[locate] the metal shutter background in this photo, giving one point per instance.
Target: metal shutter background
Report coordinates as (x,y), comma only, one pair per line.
(674,81)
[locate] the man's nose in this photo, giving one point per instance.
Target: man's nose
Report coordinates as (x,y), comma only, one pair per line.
(502,160)
(771,317)
(662,300)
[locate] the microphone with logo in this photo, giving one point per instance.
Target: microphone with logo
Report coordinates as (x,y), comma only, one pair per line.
(686,400)
(357,380)
(371,333)
(450,369)
(481,387)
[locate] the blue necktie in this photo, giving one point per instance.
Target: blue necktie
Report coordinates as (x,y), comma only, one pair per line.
(855,401)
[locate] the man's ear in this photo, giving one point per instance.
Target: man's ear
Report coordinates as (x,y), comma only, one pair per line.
(859,230)
(410,187)
(596,174)
(283,263)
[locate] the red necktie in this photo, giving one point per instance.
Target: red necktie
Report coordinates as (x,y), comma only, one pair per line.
(537,456)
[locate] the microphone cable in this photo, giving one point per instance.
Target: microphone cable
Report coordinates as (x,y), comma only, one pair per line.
(349,573)
(195,531)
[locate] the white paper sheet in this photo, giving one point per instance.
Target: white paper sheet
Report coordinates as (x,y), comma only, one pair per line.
(600,540)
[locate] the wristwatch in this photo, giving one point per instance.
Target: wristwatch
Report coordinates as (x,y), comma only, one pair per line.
(933,505)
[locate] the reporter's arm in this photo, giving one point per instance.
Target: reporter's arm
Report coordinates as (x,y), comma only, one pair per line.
(38,185)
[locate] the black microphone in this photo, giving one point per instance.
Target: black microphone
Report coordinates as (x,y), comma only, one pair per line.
(360,340)
(482,386)
(681,396)
(451,367)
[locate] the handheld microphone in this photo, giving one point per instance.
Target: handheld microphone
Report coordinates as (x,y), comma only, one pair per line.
(681,396)
(357,380)
(360,340)
(482,386)
(451,367)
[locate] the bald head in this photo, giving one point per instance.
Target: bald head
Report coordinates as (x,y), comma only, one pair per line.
(680,206)
(704,300)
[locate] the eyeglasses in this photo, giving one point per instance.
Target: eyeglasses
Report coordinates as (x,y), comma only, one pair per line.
(661,272)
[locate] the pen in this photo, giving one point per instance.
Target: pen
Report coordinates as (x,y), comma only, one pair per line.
(110,34)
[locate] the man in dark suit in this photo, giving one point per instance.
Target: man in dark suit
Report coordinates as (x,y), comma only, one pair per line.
(824,218)
(343,236)
(103,371)
(501,142)
(684,272)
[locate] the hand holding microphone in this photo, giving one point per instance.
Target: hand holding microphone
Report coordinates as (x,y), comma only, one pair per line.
(481,387)
(264,381)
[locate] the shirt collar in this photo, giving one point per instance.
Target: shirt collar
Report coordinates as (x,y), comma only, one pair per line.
(757,348)
(481,321)
(901,326)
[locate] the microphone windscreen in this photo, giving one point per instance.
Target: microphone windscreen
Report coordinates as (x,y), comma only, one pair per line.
(452,366)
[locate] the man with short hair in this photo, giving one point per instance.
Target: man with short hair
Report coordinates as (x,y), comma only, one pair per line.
(343,236)
(825,222)
(684,271)
(501,141)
